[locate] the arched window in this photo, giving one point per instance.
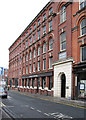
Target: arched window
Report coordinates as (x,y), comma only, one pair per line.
(63,14)
(83,27)
(44,47)
(50,44)
(39,50)
(34,53)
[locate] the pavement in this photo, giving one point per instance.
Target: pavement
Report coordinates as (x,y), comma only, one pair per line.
(73,103)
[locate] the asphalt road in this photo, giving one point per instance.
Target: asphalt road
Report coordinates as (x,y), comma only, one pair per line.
(22,106)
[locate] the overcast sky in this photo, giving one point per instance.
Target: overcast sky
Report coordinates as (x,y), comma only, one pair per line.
(15,15)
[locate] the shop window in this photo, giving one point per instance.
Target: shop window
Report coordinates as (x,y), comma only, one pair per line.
(50,82)
(82,4)
(29,83)
(43,82)
(63,41)
(33,83)
(50,44)
(83,27)
(63,14)
(83,53)
(50,62)
(44,47)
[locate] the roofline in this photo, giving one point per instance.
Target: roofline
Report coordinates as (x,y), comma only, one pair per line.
(33,21)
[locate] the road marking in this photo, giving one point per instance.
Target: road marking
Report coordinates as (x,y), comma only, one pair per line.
(54,101)
(3,105)
(32,108)
(39,111)
(9,97)
(46,114)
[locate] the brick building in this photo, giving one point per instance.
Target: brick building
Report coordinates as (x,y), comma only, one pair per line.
(49,57)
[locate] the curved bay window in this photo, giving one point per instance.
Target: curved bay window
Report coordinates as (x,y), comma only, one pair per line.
(50,44)
(83,27)
(63,14)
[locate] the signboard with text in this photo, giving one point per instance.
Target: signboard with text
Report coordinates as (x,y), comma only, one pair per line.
(1,70)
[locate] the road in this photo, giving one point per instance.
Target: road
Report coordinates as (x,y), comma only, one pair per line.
(22,106)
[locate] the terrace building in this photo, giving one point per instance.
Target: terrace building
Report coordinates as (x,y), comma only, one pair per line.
(49,57)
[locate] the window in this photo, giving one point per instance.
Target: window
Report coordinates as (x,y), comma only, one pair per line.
(27,33)
(24,36)
(44,47)
(82,3)
(44,30)
(26,43)
(39,50)
(43,82)
(34,53)
(23,71)
(38,34)
(50,44)
(44,17)
(50,82)
(29,82)
(30,69)
(34,26)
(83,27)
(30,30)
(83,53)
(44,64)
(27,57)
(24,59)
(50,11)
(33,67)
(50,62)
(26,69)
(38,65)
(24,46)
(63,14)
(38,22)
(30,55)
(30,41)
(63,41)
(34,38)
(50,25)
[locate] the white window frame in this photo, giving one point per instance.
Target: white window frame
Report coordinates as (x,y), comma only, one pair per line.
(50,41)
(62,42)
(33,67)
(50,66)
(82,28)
(44,64)
(38,65)
(81,2)
(44,47)
(63,15)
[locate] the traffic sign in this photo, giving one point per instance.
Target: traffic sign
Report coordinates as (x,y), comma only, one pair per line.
(1,70)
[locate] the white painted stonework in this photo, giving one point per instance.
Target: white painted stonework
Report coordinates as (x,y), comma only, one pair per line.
(64,67)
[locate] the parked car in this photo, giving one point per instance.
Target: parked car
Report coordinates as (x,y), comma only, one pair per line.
(3,92)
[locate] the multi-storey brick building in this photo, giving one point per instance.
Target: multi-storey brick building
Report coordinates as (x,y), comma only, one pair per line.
(49,54)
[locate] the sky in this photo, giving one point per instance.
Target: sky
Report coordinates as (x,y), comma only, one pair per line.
(15,16)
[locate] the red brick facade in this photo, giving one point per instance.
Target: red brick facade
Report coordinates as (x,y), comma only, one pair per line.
(36,74)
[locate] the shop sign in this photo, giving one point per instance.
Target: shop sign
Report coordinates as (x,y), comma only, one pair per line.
(82,86)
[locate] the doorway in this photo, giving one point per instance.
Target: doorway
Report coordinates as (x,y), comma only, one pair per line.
(63,85)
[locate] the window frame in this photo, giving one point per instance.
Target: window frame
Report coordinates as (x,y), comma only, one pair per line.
(62,41)
(81,27)
(51,43)
(63,14)
(82,54)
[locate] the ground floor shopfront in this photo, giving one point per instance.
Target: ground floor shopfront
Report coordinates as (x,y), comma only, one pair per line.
(38,83)
(79,71)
